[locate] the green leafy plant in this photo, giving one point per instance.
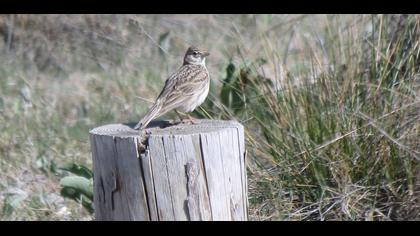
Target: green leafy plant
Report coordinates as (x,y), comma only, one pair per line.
(78,187)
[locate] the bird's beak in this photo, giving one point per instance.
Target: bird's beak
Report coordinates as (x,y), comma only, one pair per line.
(205,54)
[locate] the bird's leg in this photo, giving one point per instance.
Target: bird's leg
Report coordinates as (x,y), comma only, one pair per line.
(183,119)
(179,116)
(191,119)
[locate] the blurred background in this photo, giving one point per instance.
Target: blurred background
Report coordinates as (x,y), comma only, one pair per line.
(330,104)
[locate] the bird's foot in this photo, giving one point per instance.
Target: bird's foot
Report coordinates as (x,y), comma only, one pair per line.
(175,122)
(190,120)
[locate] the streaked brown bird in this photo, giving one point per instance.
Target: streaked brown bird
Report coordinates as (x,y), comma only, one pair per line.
(184,90)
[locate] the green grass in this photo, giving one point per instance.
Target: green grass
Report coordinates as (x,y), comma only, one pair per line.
(330,109)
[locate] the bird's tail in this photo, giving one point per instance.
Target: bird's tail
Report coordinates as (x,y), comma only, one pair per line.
(150,115)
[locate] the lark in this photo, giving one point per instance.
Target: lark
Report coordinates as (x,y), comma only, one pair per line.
(184,90)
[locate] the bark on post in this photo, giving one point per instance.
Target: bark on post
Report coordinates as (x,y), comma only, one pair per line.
(178,172)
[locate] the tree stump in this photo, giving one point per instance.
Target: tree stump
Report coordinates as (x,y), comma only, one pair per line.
(173,172)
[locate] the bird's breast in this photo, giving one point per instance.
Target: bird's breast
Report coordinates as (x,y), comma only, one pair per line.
(197,99)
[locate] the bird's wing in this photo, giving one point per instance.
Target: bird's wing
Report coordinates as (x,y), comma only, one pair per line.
(194,79)
(184,83)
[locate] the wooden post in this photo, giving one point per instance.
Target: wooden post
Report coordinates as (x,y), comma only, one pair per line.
(178,172)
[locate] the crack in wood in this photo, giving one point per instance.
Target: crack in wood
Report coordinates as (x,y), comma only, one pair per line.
(142,167)
(152,182)
(114,188)
(142,142)
(193,201)
(205,175)
(103,190)
(167,177)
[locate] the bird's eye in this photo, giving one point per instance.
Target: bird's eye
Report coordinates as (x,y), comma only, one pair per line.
(195,53)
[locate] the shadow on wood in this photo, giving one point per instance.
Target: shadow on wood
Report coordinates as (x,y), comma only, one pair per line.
(153,124)
(184,172)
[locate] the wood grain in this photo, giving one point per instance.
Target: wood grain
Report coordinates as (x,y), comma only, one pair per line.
(184,172)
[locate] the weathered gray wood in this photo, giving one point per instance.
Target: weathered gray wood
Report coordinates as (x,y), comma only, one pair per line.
(177,172)
(118,184)
(161,179)
(198,203)
(148,180)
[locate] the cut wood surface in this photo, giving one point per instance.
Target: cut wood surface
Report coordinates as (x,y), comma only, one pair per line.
(170,172)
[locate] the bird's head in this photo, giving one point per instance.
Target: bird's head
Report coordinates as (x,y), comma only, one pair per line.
(195,56)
